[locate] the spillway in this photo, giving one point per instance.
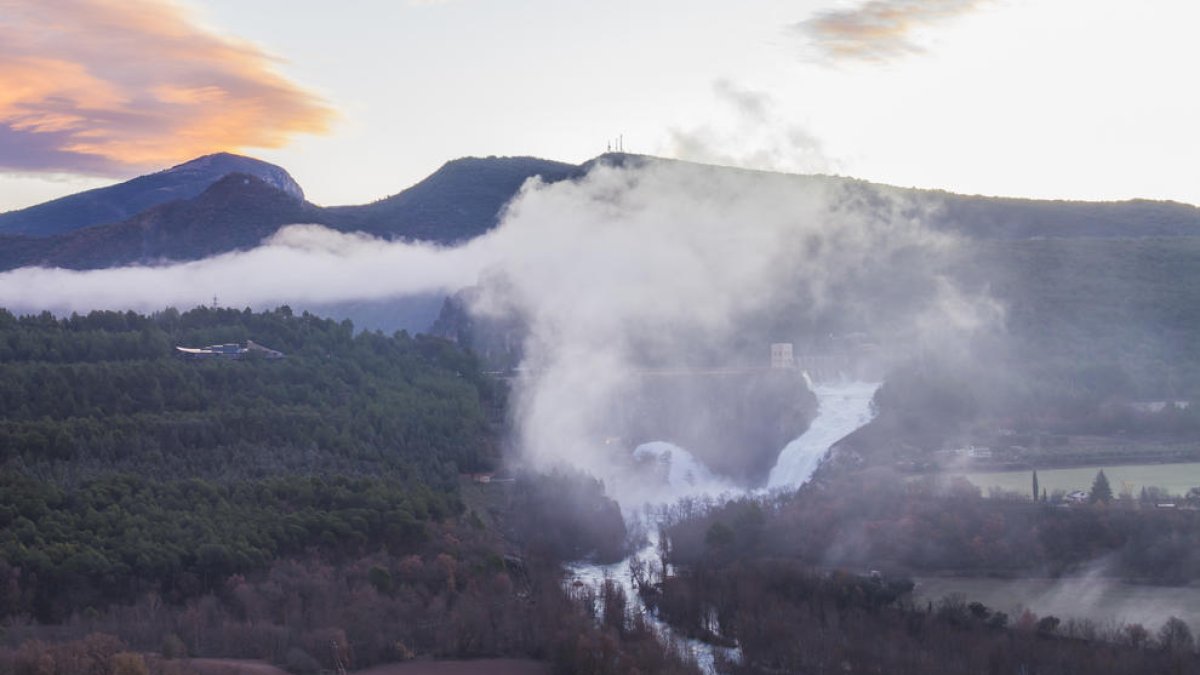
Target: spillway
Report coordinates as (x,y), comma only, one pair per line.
(842,408)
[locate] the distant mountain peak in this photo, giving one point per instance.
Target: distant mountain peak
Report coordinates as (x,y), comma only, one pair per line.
(119,202)
(239,186)
(224,163)
(204,161)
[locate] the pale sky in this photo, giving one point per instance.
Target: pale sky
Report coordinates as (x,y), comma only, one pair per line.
(1069,99)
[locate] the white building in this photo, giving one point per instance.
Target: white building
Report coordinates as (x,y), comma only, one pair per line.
(781,355)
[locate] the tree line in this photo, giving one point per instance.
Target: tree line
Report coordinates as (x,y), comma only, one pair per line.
(104,392)
(879,520)
(787,617)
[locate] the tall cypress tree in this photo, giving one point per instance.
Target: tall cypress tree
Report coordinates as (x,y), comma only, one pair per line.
(1101,490)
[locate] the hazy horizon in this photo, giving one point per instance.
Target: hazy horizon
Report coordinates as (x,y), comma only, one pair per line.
(1062,100)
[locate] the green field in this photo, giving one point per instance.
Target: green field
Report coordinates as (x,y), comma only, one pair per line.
(1088,597)
(1175,478)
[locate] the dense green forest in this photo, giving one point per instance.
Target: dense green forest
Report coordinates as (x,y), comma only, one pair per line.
(452,596)
(129,469)
(115,538)
(270,508)
(105,392)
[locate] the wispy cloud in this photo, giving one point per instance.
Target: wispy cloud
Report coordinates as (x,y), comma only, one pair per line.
(878,30)
(757,135)
(114,86)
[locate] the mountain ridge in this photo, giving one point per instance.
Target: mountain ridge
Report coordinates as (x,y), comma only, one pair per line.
(119,202)
(451,204)
(236,212)
(466,197)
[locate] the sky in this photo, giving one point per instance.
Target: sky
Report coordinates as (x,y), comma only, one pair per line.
(1064,99)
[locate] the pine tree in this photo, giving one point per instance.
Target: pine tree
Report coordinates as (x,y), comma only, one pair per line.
(1101,490)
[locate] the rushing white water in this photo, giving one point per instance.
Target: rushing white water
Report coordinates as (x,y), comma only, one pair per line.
(685,475)
(668,474)
(841,409)
(702,653)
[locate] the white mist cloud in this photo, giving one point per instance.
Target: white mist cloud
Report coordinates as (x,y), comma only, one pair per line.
(645,265)
(300,263)
(755,135)
(629,268)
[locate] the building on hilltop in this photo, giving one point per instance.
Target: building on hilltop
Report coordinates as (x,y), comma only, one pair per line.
(782,356)
(230,351)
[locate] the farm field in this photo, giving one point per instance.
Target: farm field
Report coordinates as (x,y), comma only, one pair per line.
(1177,479)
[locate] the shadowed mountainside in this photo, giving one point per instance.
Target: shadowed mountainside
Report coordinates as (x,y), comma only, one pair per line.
(194,211)
(118,202)
(459,201)
(236,212)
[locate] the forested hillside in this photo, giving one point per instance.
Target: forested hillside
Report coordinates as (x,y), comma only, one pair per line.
(308,510)
(105,392)
(1092,329)
(130,469)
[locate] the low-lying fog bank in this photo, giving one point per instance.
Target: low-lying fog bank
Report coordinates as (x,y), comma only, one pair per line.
(1103,601)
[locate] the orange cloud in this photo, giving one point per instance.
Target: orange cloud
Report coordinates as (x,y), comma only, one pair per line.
(878,30)
(112,87)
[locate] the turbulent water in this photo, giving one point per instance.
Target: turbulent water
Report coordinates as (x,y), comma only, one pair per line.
(841,409)
(594,577)
(677,474)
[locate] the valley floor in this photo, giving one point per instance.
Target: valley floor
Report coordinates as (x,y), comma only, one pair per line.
(1175,479)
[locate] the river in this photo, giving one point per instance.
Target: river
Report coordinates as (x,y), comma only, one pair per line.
(842,407)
